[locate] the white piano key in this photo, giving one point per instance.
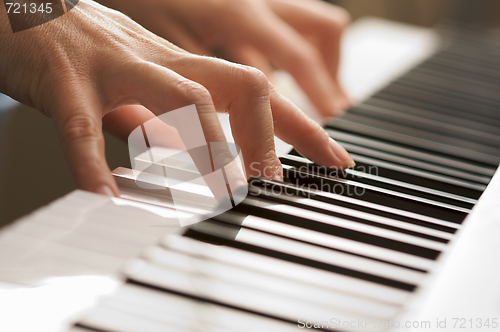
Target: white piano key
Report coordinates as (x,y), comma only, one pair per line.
(232,295)
(34,246)
(193,310)
(106,319)
(79,329)
(375,206)
(371,217)
(336,242)
(390,181)
(330,220)
(412,186)
(328,256)
(32,259)
(187,195)
(79,240)
(271,284)
(417,172)
(385,191)
(287,270)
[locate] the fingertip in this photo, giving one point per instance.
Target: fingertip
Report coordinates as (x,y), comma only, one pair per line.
(345,102)
(278,176)
(106,191)
(340,153)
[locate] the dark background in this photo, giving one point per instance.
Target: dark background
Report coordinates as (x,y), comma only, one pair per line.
(426,12)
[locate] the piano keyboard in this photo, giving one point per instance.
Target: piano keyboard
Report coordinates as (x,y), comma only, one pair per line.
(334,250)
(327,247)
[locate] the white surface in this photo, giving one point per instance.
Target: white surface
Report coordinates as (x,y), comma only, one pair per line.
(468,285)
(56,262)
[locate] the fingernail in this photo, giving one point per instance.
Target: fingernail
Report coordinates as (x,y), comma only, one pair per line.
(106,191)
(338,112)
(279,175)
(341,154)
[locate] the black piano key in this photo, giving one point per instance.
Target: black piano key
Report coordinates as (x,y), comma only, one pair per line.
(478,158)
(378,182)
(378,197)
(463,105)
(352,203)
(448,67)
(413,157)
(420,138)
(458,186)
(430,129)
(414,101)
(224,234)
(82,328)
(251,207)
(397,159)
(228,295)
(454,77)
(454,119)
(419,180)
(358,188)
(248,207)
(467,69)
(238,219)
(284,269)
(451,89)
(450,94)
(390,168)
(472,56)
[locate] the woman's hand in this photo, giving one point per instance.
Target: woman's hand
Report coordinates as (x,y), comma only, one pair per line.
(93,60)
(299,36)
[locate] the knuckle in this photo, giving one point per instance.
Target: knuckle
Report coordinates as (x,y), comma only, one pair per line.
(343,17)
(340,19)
(306,57)
(193,91)
(255,80)
(82,126)
(234,7)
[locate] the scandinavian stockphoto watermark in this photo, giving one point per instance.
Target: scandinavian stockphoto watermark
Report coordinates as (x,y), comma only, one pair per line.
(27,14)
(199,182)
(308,179)
(368,324)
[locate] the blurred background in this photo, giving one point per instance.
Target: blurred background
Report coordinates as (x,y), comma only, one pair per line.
(425,12)
(33,171)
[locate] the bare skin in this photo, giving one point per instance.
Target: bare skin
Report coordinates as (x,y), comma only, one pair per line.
(93,60)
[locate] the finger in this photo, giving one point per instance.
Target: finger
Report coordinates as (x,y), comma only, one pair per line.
(288,50)
(123,121)
(80,132)
(323,25)
(249,56)
(243,92)
(313,142)
(161,90)
(180,37)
